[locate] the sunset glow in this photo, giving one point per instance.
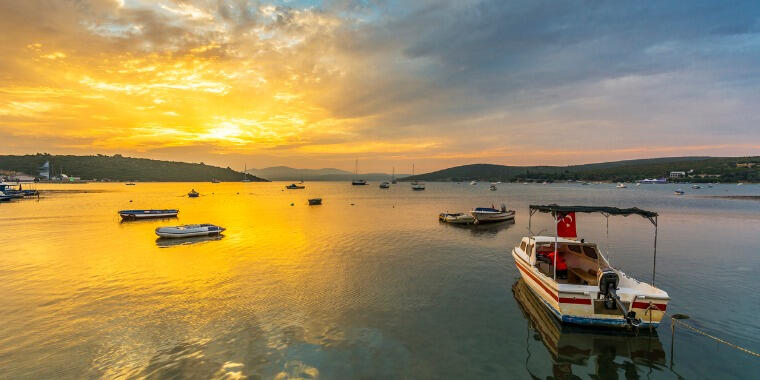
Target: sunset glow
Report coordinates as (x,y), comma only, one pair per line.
(314,84)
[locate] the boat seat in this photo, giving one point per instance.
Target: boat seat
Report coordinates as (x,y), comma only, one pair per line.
(583,276)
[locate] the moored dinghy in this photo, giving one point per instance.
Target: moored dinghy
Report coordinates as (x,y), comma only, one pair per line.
(148,214)
(315,201)
(456,218)
(490,214)
(189,230)
(576,282)
(193,194)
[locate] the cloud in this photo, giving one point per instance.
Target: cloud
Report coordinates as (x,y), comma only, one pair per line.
(443,82)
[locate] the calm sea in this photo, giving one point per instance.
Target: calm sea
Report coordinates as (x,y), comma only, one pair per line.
(367,285)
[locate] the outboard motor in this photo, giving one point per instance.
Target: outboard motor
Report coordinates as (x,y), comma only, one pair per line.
(608,284)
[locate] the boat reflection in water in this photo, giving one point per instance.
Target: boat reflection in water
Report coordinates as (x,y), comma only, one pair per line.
(606,352)
(166,243)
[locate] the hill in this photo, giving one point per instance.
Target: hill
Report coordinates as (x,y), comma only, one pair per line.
(284,173)
(119,168)
(699,169)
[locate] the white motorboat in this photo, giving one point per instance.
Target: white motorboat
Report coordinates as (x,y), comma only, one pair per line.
(621,186)
(473,183)
(456,218)
(148,214)
(189,230)
(576,282)
(416,186)
(490,214)
(385,185)
(696,187)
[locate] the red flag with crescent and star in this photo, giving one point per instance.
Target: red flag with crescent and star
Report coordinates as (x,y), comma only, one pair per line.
(566,225)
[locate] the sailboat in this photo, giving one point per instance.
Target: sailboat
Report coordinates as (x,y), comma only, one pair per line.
(393,176)
(356,181)
(416,186)
(245,174)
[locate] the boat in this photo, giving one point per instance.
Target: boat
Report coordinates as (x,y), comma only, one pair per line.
(147,214)
(215,181)
(491,214)
(679,192)
(189,230)
(696,187)
(473,183)
(245,173)
(417,186)
(456,218)
(4,197)
(385,185)
(574,280)
(492,188)
(130,183)
(621,186)
(315,201)
(293,186)
(193,194)
(638,183)
(356,181)
(740,184)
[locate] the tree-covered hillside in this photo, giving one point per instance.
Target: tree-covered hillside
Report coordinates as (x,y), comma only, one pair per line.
(119,168)
(698,169)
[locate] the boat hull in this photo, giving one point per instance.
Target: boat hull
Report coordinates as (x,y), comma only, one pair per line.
(175,232)
(148,214)
(486,217)
(578,309)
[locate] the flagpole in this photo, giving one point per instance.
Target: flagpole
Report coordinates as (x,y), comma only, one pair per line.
(556,241)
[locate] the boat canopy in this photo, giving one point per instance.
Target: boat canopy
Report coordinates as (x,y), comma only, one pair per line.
(606,210)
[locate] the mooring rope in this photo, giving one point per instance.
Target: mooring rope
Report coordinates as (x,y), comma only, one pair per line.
(740,348)
(702,332)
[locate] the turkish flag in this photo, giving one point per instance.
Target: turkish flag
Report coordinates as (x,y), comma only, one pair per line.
(566,225)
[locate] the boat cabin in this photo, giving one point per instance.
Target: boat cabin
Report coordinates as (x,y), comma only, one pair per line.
(578,262)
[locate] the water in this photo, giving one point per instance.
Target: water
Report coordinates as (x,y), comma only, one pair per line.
(367,285)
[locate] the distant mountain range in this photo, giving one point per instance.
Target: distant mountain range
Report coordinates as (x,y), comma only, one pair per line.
(284,173)
(119,168)
(697,169)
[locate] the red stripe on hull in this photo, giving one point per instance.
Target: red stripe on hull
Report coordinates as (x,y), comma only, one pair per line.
(644,305)
(577,301)
(539,282)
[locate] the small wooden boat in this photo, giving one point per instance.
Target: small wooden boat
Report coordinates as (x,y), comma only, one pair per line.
(490,214)
(385,185)
(293,186)
(492,188)
(189,230)
(315,201)
(574,280)
(679,192)
(456,218)
(193,194)
(148,214)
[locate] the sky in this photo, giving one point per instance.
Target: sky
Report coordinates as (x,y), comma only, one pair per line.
(436,83)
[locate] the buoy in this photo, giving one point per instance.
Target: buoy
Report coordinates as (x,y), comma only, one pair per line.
(291,204)
(130,201)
